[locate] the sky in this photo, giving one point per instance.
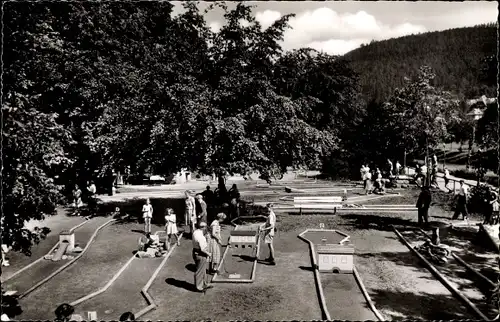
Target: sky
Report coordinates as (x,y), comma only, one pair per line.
(337,27)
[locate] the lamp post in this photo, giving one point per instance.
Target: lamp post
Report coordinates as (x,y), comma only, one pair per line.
(427,109)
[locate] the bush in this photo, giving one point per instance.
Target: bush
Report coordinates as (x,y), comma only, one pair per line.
(477,199)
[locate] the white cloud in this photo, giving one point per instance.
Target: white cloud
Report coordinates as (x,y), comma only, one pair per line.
(325,29)
(267,18)
(336,46)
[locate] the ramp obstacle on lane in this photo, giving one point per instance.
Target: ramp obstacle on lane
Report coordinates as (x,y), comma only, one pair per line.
(42,257)
(331,252)
(239,260)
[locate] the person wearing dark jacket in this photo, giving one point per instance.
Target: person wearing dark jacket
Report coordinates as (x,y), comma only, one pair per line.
(423,204)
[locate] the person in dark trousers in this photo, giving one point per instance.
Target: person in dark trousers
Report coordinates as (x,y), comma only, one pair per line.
(423,204)
(92,201)
(488,211)
(461,202)
(201,210)
(234,197)
(201,254)
(209,197)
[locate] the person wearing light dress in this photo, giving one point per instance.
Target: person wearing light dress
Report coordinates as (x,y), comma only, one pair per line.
(171,227)
(214,241)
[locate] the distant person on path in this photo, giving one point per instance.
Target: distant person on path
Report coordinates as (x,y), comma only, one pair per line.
(423,174)
(447,179)
(147,215)
(363,175)
(490,200)
(268,231)
(234,197)
(201,209)
(77,199)
(92,190)
(434,160)
(397,169)
(389,168)
(201,255)
(171,227)
(214,241)
(434,182)
(127,316)
(423,205)
(190,213)
(5,250)
(64,313)
(368,186)
(495,207)
(461,207)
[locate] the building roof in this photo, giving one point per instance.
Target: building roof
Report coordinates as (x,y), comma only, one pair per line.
(335,249)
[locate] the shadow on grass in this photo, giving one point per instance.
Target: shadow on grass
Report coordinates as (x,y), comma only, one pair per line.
(376,222)
(245,258)
(180,284)
(406,305)
(306,268)
(398,258)
(191,267)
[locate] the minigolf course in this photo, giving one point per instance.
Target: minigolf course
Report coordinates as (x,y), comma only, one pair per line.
(341,292)
(239,260)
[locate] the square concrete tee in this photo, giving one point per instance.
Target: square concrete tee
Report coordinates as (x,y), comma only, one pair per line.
(335,258)
(69,237)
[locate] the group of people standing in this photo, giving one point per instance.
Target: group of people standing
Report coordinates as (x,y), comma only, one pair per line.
(372,179)
(91,198)
(428,173)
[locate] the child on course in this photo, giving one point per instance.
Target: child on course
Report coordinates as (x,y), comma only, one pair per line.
(147,215)
(171,227)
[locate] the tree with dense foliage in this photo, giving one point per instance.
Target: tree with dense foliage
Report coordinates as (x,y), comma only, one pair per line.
(413,119)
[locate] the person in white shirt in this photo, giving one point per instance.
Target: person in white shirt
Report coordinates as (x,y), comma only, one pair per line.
(5,250)
(461,202)
(397,168)
(389,168)
(368,188)
(92,203)
(447,179)
(363,172)
(200,257)
(171,227)
(147,215)
(268,232)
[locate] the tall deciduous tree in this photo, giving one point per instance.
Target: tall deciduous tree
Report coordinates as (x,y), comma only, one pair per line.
(414,118)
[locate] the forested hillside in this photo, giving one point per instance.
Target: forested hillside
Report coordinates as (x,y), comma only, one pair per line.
(456,55)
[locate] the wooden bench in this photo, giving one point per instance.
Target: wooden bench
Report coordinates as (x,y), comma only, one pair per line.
(317,203)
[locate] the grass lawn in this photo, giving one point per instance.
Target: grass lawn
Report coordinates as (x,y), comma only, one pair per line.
(400,287)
